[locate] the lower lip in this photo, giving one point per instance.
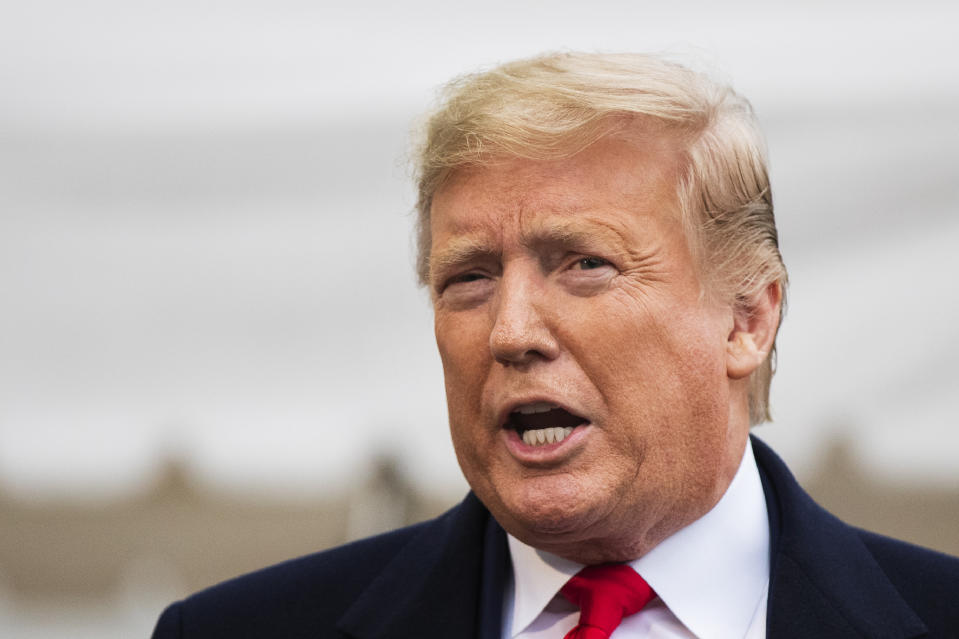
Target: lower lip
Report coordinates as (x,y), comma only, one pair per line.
(546,452)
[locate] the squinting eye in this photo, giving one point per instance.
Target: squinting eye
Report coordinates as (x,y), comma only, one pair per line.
(466,277)
(466,290)
(588,263)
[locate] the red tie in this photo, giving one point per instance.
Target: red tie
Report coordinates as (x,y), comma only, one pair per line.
(605,594)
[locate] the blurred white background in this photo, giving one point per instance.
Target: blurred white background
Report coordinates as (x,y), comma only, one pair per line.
(205,247)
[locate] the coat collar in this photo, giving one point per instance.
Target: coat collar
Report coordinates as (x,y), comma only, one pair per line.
(446,582)
(824,582)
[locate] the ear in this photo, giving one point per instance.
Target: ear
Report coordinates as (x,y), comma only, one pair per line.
(754,331)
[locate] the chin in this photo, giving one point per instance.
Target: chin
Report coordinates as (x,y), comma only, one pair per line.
(545,507)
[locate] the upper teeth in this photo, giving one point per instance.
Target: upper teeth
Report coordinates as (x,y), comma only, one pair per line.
(540,436)
(535,407)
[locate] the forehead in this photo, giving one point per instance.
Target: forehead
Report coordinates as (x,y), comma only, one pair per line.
(613,181)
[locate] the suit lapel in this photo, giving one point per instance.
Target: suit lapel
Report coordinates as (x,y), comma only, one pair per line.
(496,573)
(824,582)
(435,586)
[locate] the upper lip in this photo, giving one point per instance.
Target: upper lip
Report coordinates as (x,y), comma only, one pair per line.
(503,415)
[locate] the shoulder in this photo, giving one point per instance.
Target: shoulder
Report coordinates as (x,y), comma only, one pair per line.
(926,579)
(846,577)
(392,579)
(309,592)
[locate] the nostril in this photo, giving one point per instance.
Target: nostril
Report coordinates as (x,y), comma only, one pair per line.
(516,347)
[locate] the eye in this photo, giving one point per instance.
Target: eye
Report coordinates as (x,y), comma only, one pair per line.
(589,263)
(465,278)
(466,290)
(463,282)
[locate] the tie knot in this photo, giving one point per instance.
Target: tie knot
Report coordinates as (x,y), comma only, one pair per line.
(605,594)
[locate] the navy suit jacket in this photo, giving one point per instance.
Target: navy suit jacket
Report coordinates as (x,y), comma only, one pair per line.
(443,579)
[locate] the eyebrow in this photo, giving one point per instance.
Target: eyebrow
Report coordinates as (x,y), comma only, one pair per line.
(459,250)
(575,234)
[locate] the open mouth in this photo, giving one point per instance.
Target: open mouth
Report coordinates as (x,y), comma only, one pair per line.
(542,423)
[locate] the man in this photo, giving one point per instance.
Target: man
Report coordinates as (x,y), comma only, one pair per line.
(597,236)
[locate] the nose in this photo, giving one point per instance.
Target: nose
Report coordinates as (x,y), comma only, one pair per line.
(521,333)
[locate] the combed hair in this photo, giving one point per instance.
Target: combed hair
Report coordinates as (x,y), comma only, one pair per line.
(554,106)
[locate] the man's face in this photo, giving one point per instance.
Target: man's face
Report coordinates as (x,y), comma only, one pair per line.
(568,308)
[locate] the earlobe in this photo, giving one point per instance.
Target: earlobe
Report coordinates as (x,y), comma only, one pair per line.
(754,331)
(743,356)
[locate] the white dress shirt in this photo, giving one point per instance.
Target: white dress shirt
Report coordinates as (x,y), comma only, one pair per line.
(711,578)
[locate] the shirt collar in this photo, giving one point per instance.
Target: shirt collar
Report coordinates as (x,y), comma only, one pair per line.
(712,574)
(537,578)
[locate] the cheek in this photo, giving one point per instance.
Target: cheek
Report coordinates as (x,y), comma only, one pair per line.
(649,361)
(464,352)
(456,342)
(616,341)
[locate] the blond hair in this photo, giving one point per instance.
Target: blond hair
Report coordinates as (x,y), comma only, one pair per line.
(554,106)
